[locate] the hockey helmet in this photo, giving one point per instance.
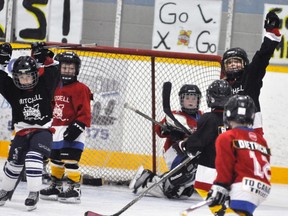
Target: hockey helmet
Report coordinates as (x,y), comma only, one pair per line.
(189,89)
(239,108)
(218,93)
(25,65)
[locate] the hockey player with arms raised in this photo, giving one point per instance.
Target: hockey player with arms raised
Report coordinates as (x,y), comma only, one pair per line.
(29,93)
(71,115)
(181,183)
(242,160)
(245,78)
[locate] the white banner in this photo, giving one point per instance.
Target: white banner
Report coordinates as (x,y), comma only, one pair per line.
(280,54)
(3,15)
(191,26)
(66,21)
(50,20)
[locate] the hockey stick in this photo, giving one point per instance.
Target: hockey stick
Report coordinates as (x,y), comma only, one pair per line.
(196,206)
(126,105)
(166,176)
(167,86)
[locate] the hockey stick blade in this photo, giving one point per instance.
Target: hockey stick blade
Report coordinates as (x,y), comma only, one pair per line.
(141,195)
(167,86)
(196,206)
(90,213)
(126,105)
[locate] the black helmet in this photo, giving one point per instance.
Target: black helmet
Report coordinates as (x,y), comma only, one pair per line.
(218,93)
(190,90)
(69,58)
(5,53)
(238,53)
(25,65)
(239,108)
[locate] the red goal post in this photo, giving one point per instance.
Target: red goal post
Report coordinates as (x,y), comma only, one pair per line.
(120,140)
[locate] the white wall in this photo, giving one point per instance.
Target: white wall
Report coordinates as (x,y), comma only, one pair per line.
(274,103)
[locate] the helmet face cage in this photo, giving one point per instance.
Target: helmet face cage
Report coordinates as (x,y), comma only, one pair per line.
(234,53)
(70,58)
(240,109)
(25,65)
(5,53)
(218,93)
(189,90)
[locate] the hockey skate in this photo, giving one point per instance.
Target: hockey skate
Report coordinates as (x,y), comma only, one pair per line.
(32,200)
(141,178)
(71,195)
(51,192)
(4,196)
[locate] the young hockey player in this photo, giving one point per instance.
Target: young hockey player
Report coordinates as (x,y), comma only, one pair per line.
(210,125)
(29,95)
(244,175)
(245,78)
(71,115)
(181,183)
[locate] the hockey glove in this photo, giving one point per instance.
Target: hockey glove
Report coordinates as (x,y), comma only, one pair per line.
(272,22)
(73,131)
(188,147)
(218,194)
(175,133)
(5,53)
(40,53)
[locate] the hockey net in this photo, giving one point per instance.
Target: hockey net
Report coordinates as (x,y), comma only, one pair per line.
(119,140)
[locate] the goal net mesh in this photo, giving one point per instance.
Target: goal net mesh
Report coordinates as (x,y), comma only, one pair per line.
(120,140)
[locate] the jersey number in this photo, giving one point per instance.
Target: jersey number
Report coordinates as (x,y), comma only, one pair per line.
(263,171)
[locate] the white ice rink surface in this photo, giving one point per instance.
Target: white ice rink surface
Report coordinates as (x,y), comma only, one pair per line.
(109,199)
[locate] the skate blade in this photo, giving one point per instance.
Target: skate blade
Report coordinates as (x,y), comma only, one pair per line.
(69,200)
(31,208)
(137,175)
(51,197)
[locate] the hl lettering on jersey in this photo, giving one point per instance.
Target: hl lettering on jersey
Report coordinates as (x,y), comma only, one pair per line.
(236,90)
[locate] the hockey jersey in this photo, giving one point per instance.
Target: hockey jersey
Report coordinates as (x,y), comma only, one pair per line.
(31,108)
(189,121)
(71,102)
(242,153)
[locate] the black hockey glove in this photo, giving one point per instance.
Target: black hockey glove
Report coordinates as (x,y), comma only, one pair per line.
(5,53)
(40,53)
(272,22)
(218,194)
(175,133)
(73,131)
(188,147)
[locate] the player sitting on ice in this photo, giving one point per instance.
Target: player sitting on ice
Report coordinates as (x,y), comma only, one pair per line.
(181,183)
(29,95)
(71,115)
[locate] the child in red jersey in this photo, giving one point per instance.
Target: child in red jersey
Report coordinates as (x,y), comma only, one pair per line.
(181,183)
(71,115)
(242,160)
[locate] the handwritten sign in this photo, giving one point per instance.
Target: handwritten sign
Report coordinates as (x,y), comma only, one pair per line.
(187,26)
(281,53)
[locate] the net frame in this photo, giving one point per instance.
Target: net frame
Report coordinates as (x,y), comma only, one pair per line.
(145,70)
